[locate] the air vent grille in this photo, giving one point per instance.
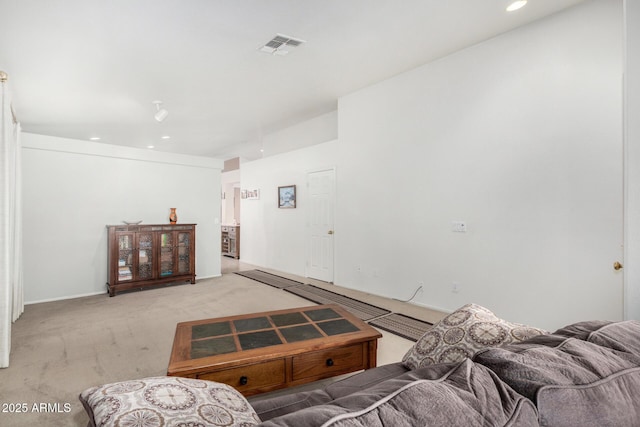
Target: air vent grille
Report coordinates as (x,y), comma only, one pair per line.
(281,44)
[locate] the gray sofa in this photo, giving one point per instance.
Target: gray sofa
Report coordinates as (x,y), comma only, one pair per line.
(586,374)
(470,369)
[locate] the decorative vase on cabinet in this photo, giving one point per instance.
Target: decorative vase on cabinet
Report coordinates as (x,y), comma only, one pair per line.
(146,255)
(173,216)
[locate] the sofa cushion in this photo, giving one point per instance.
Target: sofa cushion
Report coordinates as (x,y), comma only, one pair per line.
(462,333)
(612,402)
(586,381)
(573,362)
(581,330)
(167,401)
(468,394)
(622,337)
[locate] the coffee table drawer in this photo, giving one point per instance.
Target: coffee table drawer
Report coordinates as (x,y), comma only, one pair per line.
(328,362)
(249,377)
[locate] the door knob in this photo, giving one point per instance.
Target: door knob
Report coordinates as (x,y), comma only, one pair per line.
(617,265)
(330,232)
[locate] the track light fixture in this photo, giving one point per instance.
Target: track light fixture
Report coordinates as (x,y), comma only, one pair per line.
(161,113)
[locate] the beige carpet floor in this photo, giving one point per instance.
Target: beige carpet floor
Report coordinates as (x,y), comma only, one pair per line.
(61,348)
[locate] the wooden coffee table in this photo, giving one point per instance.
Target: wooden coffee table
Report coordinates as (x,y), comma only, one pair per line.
(260,352)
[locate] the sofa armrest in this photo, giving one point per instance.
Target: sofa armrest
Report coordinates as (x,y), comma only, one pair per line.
(365,379)
(284,404)
(271,407)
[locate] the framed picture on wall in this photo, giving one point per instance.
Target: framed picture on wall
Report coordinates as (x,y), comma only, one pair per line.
(287,197)
(250,194)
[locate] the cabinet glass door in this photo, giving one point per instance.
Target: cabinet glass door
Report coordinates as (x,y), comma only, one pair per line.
(225,242)
(166,254)
(232,246)
(184,250)
(145,256)
(125,257)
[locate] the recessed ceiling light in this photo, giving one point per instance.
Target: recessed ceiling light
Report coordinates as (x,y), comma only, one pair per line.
(165,137)
(516,5)
(95,138)
(151,146)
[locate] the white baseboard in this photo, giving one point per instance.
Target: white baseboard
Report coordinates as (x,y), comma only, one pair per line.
(66,297)
(97,293)
(431,307)
(198,278)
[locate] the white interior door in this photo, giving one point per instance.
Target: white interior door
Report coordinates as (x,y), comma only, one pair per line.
(321,186)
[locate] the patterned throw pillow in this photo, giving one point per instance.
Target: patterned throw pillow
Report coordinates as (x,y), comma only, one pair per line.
(461,334)
(167,401)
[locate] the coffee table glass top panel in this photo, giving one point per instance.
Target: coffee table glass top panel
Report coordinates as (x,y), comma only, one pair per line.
(215,338)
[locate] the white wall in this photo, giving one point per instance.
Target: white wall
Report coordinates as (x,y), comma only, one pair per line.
(230,180)
(73,189)
(632,146)
(317,130)
(521,137)
(273,237)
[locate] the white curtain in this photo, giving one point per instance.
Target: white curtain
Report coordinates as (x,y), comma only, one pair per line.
(11,291)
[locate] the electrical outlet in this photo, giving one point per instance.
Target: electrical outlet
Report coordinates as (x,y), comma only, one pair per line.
(455,287)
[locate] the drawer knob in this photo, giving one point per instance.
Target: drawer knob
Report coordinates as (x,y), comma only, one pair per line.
(244,380)
(329,362)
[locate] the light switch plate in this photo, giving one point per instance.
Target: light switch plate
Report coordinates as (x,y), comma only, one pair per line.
(459,226)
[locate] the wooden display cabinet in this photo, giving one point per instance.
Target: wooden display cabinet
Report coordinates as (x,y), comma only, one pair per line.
(147,255)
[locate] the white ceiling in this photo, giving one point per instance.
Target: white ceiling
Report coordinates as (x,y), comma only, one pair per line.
(85,68)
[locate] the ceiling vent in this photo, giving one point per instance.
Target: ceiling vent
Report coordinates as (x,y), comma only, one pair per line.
(281,45)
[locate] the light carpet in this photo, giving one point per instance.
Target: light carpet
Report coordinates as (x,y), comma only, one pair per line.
(61,348)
